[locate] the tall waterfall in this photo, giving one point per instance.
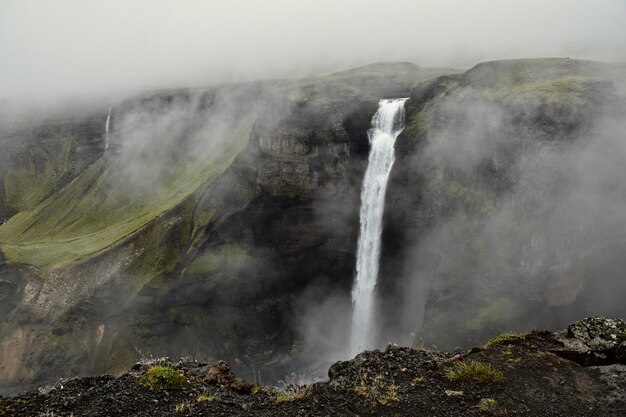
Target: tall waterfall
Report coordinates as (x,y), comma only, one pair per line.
(106,130)
(387,124)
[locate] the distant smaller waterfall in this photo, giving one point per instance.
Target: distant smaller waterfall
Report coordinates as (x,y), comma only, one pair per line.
(106,130)
(387,124)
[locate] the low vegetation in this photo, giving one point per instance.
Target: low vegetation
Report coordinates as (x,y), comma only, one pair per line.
(377,390)
(163,377)
(184,407)
(505,338)
(473,371)
(488,405)
(291,391)
(205,398)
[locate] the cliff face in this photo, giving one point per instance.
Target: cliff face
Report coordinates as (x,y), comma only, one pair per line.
(499,213)
(210,214)
(218,216)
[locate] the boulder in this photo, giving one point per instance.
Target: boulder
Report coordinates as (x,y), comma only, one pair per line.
(593,341)
(221,374)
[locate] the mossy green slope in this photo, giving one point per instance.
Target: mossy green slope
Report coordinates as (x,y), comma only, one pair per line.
(94,212)
(550,80)
(27,186)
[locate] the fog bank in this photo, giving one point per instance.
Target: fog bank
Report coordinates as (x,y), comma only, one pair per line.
(78,47)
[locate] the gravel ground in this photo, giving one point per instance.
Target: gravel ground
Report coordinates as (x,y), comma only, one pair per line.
(398,381)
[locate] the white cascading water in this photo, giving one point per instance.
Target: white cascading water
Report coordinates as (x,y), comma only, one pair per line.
(106,131)
(387,124)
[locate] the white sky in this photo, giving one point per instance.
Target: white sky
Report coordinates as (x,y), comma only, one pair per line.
(63,47)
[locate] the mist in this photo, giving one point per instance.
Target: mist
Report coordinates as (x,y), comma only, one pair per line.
(528,219)
(255,185)
(74,48)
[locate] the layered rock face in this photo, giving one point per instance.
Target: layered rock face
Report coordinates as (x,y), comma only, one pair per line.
(500,216)
(211,214)
(218,216)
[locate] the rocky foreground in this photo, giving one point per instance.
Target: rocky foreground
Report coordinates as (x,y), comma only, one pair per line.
(580,371)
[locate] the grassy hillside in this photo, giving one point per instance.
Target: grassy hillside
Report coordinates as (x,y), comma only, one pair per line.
(546,79)
(97,209)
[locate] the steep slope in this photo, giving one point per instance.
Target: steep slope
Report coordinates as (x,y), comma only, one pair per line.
(506,201)
(222,222)
(148,249)
(40,153)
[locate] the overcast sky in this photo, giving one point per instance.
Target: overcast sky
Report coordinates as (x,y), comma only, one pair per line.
(65,47)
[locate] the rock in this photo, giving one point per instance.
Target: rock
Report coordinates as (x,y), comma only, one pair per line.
(221,374)
(593,341)
(620,352)
(240,386)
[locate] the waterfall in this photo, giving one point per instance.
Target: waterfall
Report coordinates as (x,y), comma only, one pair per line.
(387,124)
(106,131)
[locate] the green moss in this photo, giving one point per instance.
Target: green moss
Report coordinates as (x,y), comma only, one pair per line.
(417,126)
(488,405)
(473,371)
(163,377)
(505,338)
(377,390)
(499,311)
(205,398)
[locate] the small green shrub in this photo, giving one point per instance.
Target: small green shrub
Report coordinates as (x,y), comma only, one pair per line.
(292,392)
(549,357)
(377,390)
(488,405)
(473,371)
(205,398)
(390,396)
(184,407)
(505,338)
(163,377)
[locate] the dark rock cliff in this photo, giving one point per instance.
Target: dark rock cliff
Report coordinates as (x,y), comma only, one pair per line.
(219,215)
(493,212)
(167,246)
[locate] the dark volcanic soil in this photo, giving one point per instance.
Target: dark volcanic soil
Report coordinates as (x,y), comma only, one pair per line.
(400,381)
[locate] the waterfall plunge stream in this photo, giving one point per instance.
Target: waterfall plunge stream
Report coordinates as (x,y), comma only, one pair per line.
(106,131)
(387,124)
